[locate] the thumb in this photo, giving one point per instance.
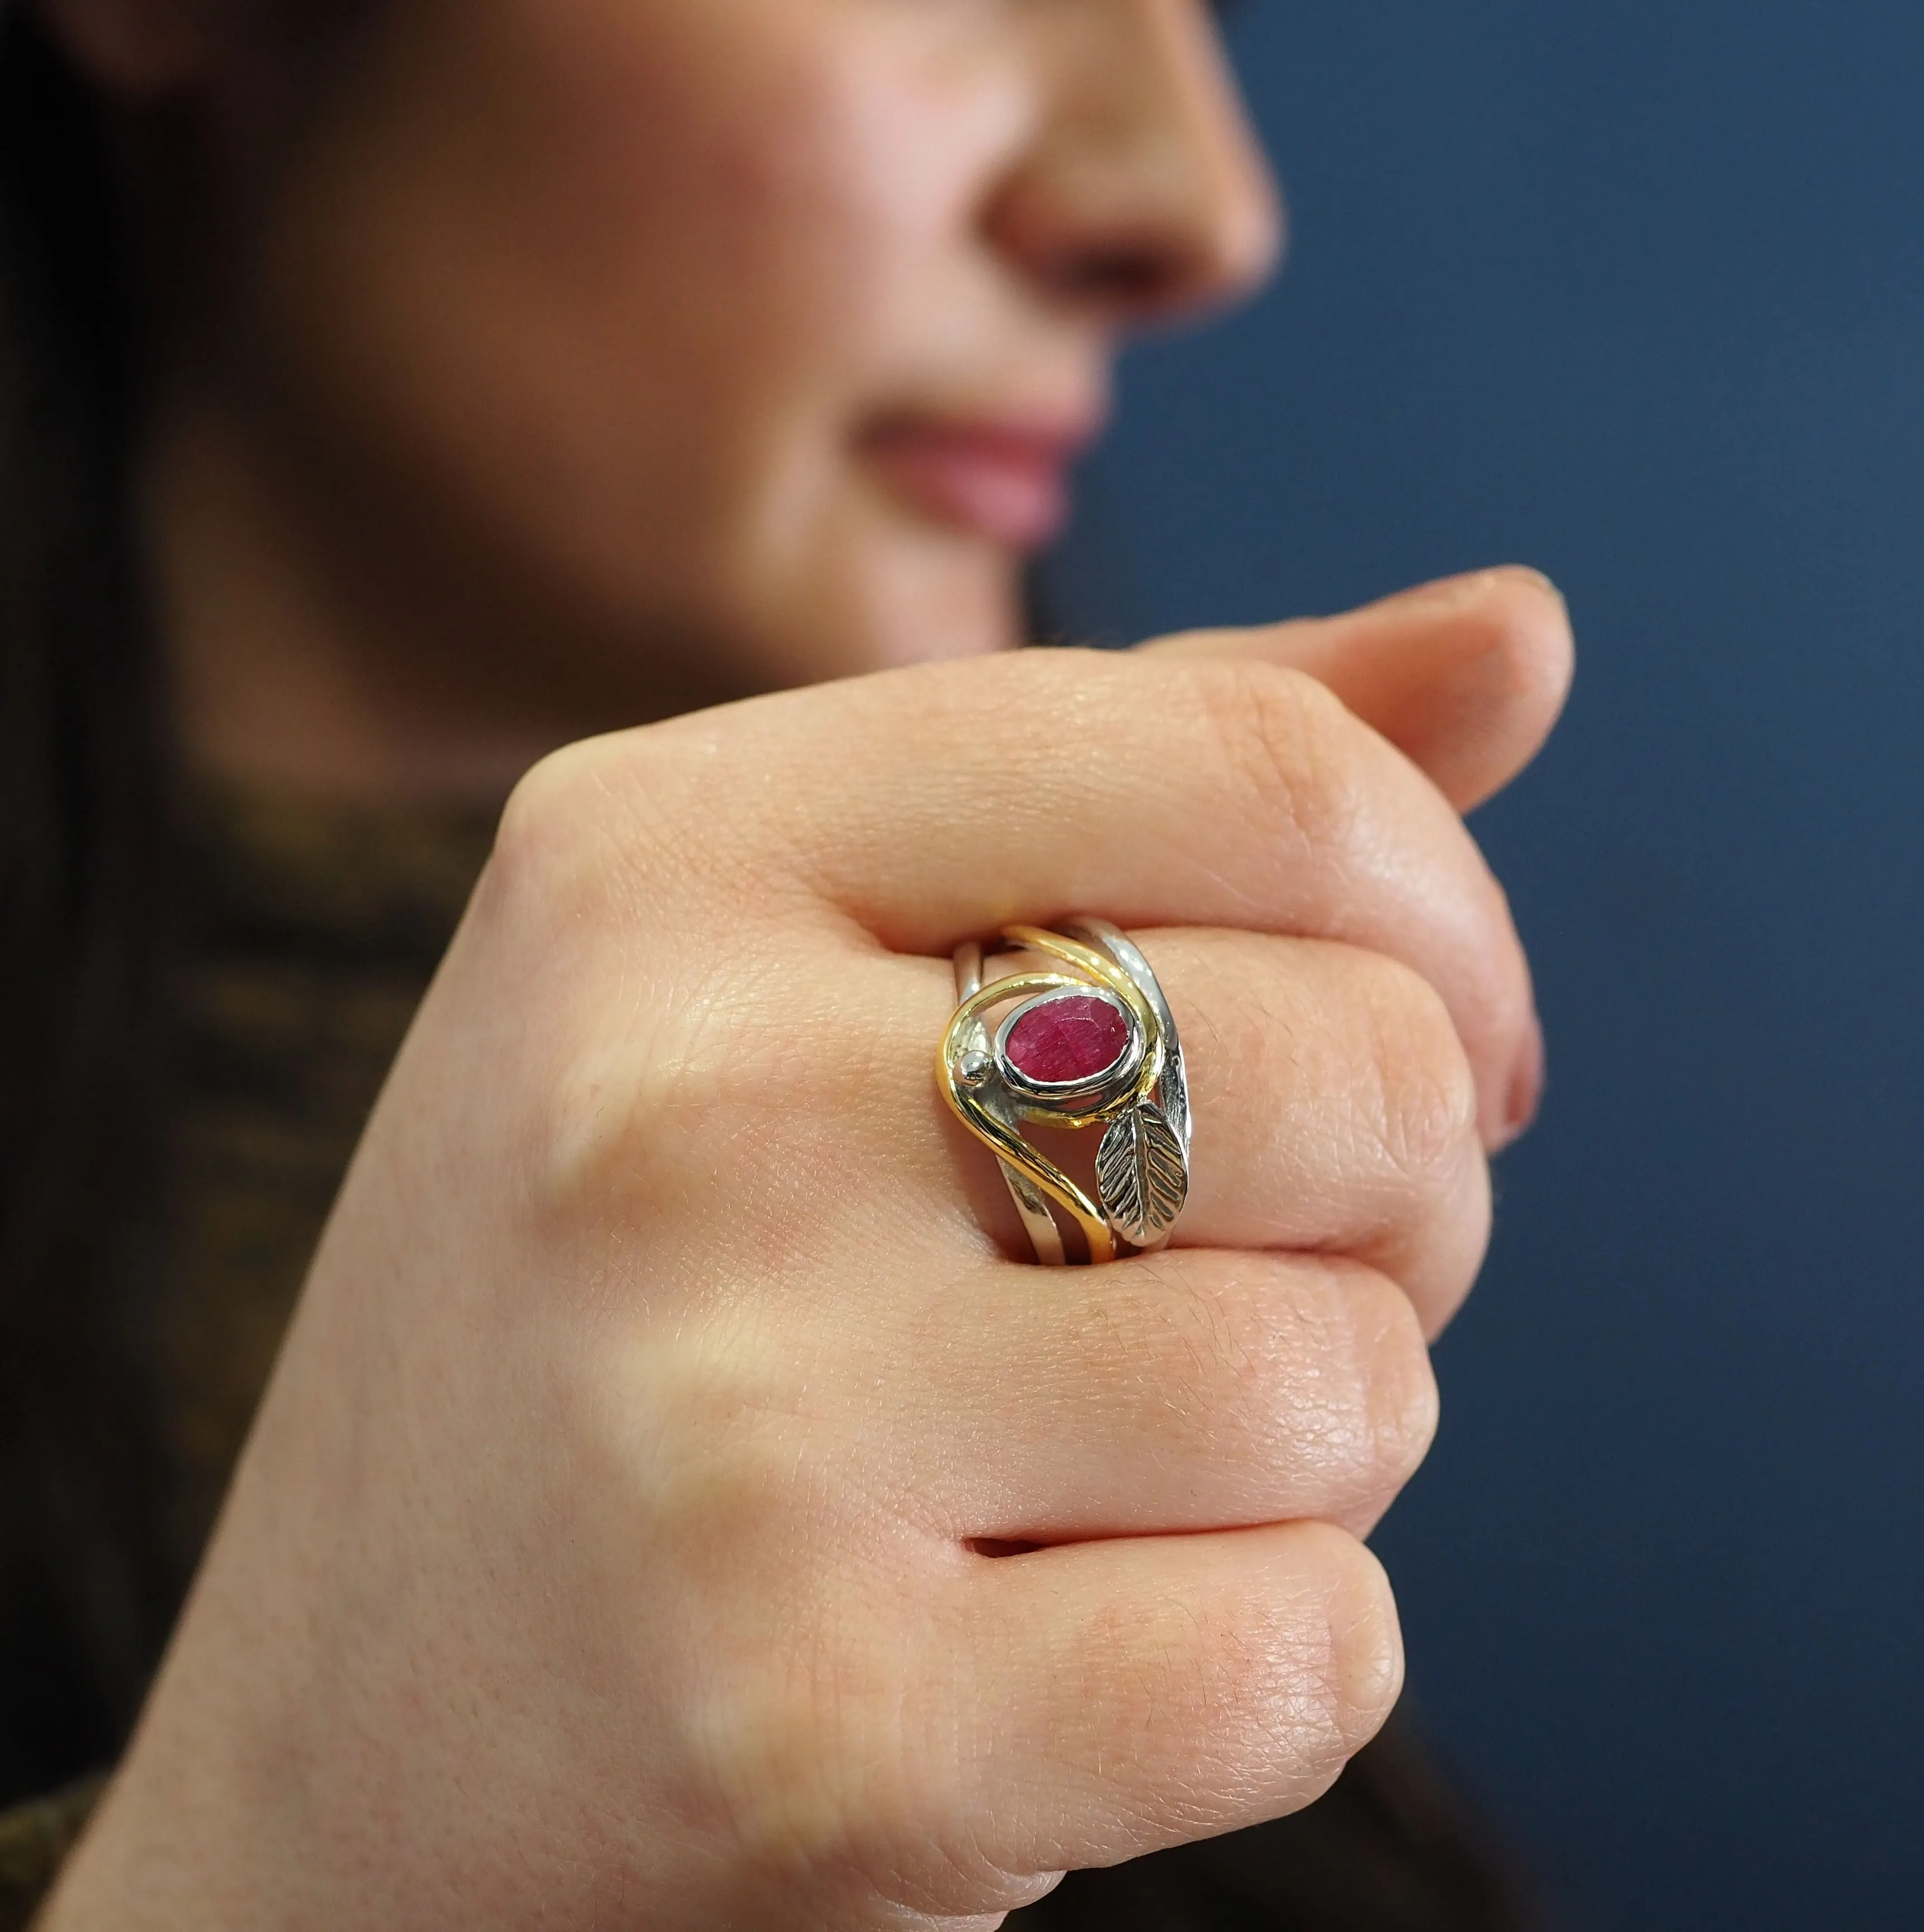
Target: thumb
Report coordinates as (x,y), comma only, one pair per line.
(1465,676)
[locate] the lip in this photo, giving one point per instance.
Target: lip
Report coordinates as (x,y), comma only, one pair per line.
(1005,479)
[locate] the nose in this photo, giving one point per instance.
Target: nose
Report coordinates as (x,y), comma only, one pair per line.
(1145,194)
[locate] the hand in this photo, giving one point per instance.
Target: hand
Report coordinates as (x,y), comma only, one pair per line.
(610,1548)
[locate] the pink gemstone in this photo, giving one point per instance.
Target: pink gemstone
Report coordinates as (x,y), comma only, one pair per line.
(1077,1037)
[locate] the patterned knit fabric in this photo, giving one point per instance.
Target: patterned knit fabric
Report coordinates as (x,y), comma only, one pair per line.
(34,1839)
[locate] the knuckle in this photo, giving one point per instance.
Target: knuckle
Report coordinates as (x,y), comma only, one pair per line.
(710,1102)
(542,843)
(785,1742)
(725,1385)
(1494,999)
(1310,1379)
(1461,1240)
(796,1683)
(1399,1398)
(1425,1085)
(1363,1675)
(1321,1655)
(1292,1666)
(597,834)
(1289,741)
(564,869)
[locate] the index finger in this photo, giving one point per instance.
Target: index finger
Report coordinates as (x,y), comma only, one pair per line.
(935,804)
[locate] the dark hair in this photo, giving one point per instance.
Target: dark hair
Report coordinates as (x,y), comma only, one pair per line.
(84,1599)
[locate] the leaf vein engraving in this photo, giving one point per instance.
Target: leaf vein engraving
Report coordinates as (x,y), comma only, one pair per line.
(1141,1177)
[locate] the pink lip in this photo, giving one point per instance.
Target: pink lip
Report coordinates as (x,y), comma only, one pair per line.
(1007,482)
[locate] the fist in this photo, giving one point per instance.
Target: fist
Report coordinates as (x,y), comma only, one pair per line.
(680,1504)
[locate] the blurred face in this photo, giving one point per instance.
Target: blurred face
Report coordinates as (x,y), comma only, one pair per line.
(754,335)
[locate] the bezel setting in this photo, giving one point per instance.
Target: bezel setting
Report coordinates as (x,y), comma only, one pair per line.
(1139,1100)
(1087,1093)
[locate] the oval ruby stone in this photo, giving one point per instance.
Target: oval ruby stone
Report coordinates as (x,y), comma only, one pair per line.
(1074,1036)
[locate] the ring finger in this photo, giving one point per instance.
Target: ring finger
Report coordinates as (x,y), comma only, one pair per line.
(1334,1112)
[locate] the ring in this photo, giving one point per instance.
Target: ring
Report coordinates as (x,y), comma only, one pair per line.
(1087,1040)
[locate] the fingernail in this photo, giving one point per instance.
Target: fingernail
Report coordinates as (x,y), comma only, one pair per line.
(1526,1094)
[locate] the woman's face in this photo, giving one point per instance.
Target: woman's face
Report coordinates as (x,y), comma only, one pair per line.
(758,333)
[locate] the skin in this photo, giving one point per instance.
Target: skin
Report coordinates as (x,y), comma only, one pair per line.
(612,1549)
(569,368)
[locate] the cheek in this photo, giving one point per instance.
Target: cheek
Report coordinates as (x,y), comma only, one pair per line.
(623,273)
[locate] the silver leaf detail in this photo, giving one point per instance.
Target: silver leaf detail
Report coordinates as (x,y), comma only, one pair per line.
(1142,1175)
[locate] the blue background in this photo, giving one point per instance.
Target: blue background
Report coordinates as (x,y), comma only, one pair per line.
(1635,292)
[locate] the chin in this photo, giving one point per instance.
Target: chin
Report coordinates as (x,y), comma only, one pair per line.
(970,604)
(911,594)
